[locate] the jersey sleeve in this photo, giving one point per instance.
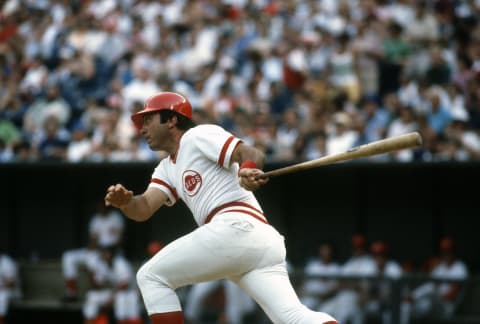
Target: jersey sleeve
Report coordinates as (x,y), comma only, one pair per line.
(160,181)
(216,143)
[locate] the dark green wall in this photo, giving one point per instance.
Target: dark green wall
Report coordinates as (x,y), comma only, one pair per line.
(45,208)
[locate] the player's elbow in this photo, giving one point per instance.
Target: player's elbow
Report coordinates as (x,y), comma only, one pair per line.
(256,156)
(141,217)
(138,215)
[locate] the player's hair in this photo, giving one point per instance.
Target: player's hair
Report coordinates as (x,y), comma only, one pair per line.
(184,123)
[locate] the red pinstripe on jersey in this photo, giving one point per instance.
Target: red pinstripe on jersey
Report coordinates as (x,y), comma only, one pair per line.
(223,152)
(246,209)
(163,183)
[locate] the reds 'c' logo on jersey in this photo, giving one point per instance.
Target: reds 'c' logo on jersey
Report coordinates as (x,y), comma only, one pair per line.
(192,181)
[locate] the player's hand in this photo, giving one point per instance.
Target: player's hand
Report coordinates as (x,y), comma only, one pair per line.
(118,196)
(248,178)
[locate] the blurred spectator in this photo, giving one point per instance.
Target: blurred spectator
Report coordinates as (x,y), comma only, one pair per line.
(438,72)
(10,286)
(439,298)
(375,120)
(403,122)
(9,134)
(460,142)
(343,69)
(106,228)
(342,137)
(394,56)
(23,152)
(366,46)
(438,114)
(286,136)
(80,145)
(53,104)
(53,140)
(59,58)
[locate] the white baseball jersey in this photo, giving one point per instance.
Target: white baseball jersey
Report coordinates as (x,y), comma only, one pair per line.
(321,285)
(8,273)
(8,270)
(207,188)
(444,270)
(107,228)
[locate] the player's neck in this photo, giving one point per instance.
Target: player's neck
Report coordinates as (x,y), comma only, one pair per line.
(175,145)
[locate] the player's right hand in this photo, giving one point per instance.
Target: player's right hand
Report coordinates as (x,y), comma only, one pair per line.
(248,178)
(118,196)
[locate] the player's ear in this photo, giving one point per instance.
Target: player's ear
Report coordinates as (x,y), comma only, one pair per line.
(173,120)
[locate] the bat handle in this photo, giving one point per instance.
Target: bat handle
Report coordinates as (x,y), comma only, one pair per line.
(262,176)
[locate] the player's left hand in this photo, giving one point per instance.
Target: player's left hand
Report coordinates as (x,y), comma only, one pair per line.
(118,196)
(247,177)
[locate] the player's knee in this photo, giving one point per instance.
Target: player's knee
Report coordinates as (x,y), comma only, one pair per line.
(143,277)
(147,280)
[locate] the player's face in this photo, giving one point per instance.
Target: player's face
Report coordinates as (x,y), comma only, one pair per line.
(154,132)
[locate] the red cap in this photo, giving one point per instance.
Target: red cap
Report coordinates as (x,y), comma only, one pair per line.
(378,247)
(359,241)
(446,244)
(153,247)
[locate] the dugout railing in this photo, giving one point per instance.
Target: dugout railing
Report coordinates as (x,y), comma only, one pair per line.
(466,305)
(42,287)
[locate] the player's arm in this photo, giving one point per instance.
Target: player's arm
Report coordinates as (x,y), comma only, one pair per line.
(251,161)
(137,207)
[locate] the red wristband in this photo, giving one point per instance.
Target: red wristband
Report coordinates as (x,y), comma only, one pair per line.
(248,164)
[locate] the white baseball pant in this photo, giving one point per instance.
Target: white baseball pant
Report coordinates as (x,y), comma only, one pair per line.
(238,304)
(94,301)
(126,305)
(5,295)
(75,258)
(233,246)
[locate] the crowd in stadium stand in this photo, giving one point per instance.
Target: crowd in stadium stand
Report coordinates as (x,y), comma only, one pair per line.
(299,79)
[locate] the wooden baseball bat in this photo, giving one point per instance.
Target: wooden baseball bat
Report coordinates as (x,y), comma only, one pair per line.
(405,141)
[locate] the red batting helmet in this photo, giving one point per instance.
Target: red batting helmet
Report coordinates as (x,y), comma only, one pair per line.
(163,101)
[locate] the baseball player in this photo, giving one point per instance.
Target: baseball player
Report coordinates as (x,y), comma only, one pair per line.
(238,304)
(112,285)
(105,230)
(442,297)
(9,284)
(215,174)
(315,290)
(378,298)
(346,303)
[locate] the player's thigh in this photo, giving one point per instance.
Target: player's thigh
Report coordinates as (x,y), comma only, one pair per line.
(213,251)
